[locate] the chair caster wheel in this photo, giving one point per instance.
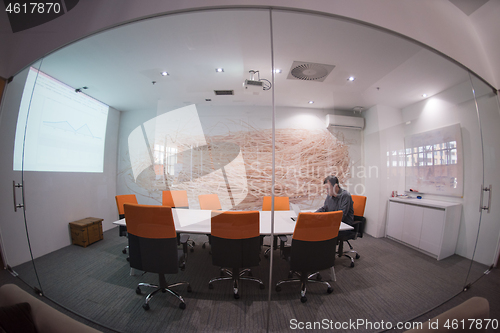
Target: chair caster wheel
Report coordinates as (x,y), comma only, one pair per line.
(357,256)
(189,289)
(128,258)
(210,286)
(290,275)
(182,306)
(250,273)
(138,291)
(303,299)
(318,277)
(145,306)
(352,264)
(261,286)
(236,296)
(124,251)
(266,256)
(278,288)
(191,250)
(203,246)
(329,290)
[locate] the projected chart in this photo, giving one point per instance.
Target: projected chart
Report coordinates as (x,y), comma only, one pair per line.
(66,126)
(65,130)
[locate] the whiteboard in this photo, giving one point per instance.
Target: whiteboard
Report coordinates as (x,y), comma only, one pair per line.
(434,161)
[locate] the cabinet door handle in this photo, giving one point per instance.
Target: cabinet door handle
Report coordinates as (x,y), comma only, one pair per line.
(14,185)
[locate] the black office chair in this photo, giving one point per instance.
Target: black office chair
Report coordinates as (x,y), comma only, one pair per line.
(313,247)
(280,203)
(153,247)
(177,199)
(209,202)
(359,203)
(235,241)
(120,201)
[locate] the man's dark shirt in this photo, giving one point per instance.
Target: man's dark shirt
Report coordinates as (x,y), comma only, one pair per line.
(343,202)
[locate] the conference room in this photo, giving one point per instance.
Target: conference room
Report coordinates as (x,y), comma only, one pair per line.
(246,104)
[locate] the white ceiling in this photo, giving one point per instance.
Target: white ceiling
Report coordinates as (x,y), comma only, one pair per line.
(118,66)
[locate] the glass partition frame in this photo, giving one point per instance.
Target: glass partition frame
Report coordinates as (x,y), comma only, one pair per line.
(380,143)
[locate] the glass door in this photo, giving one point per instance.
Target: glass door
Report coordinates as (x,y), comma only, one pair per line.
(486,245)
(160,104)
(398,124)
(18,231)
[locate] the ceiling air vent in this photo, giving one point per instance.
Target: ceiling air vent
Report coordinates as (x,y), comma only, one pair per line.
(309,71)
(224,92)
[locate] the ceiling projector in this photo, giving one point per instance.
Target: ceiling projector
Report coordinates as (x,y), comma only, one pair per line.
(253,87)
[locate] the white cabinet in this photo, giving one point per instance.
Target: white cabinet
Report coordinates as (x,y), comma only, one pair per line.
(427,225)
(412,225)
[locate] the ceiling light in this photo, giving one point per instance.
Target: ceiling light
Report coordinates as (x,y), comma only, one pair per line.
(219,70)
(351,78)
(164,74)
(277,71)
(311,102)
(424,95)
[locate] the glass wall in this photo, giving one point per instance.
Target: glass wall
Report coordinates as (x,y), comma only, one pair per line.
(212,102)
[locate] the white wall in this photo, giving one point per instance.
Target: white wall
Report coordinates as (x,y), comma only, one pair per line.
(52,199)
(382,136)
(471,40)
(385,131)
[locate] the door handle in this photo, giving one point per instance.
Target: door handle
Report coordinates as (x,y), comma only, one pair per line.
(16,205)
(481,207)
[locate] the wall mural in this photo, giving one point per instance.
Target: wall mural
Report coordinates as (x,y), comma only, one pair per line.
(237,165)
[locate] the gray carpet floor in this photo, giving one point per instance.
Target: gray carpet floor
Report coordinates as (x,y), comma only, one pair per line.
(390,283)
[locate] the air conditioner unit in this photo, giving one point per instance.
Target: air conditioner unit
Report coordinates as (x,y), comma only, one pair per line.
(333,120)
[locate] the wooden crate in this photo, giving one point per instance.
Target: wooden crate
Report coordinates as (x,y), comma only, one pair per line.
(86,231)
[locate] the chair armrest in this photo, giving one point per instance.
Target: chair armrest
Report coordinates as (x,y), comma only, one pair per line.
(284,250)
(283,239)
(183,238)
(361,220)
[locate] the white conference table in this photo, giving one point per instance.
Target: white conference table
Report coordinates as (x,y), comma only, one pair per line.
(197,221)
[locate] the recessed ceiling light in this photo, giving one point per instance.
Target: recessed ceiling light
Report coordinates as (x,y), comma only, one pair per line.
(277,71)
(164,74)
(351,78)
(219,70)
(424,95)
(311,102)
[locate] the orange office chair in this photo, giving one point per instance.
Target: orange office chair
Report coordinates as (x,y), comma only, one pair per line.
(280,203)
(153,247)
(359,203)
(120,201)
(123,199)
(235,239)
(313,249)
(177,199)
(209,202)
